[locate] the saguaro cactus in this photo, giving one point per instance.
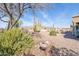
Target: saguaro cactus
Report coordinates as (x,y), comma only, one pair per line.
(37,27)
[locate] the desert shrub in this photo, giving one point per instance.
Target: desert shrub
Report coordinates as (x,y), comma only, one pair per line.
(1,30)
(37,28)
(52,32)
(14,42)
(62,31)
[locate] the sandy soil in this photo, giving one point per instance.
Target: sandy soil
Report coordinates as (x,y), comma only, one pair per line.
(61,40)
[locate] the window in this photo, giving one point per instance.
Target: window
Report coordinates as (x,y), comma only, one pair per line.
(77,25)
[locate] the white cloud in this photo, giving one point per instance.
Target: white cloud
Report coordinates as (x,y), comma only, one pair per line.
(47,18)
(30,21)
(2,24)
(27,23)
(62,21)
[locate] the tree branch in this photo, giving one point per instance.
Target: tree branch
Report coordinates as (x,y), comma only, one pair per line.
(7,9)
(2,9)
(10,15)
(3,20)
(20,14)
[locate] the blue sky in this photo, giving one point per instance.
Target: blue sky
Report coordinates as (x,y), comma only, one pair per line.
(60,15)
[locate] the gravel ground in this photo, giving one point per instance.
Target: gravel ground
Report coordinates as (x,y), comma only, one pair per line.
(60,41)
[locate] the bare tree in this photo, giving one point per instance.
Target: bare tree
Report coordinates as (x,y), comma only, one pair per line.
(14,11)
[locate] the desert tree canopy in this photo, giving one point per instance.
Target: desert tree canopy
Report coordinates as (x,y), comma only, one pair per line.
(14,11)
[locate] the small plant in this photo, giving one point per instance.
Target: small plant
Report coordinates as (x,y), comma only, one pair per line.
(14,42)
(1,30)
(37,27)
(52,32)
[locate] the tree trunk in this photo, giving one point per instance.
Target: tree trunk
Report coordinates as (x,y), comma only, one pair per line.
(10,23)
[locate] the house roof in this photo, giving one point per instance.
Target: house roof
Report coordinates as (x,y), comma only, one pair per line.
(75,16)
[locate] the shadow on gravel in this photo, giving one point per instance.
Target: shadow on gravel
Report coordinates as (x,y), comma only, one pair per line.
(63,52)
(70,36)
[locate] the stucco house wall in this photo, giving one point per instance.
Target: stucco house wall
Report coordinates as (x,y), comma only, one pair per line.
(75,20)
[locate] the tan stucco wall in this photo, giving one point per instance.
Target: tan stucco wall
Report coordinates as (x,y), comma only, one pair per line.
(75,19)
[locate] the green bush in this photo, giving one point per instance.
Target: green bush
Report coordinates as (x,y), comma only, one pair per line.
(37,28)
(52,32)
(14,42)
